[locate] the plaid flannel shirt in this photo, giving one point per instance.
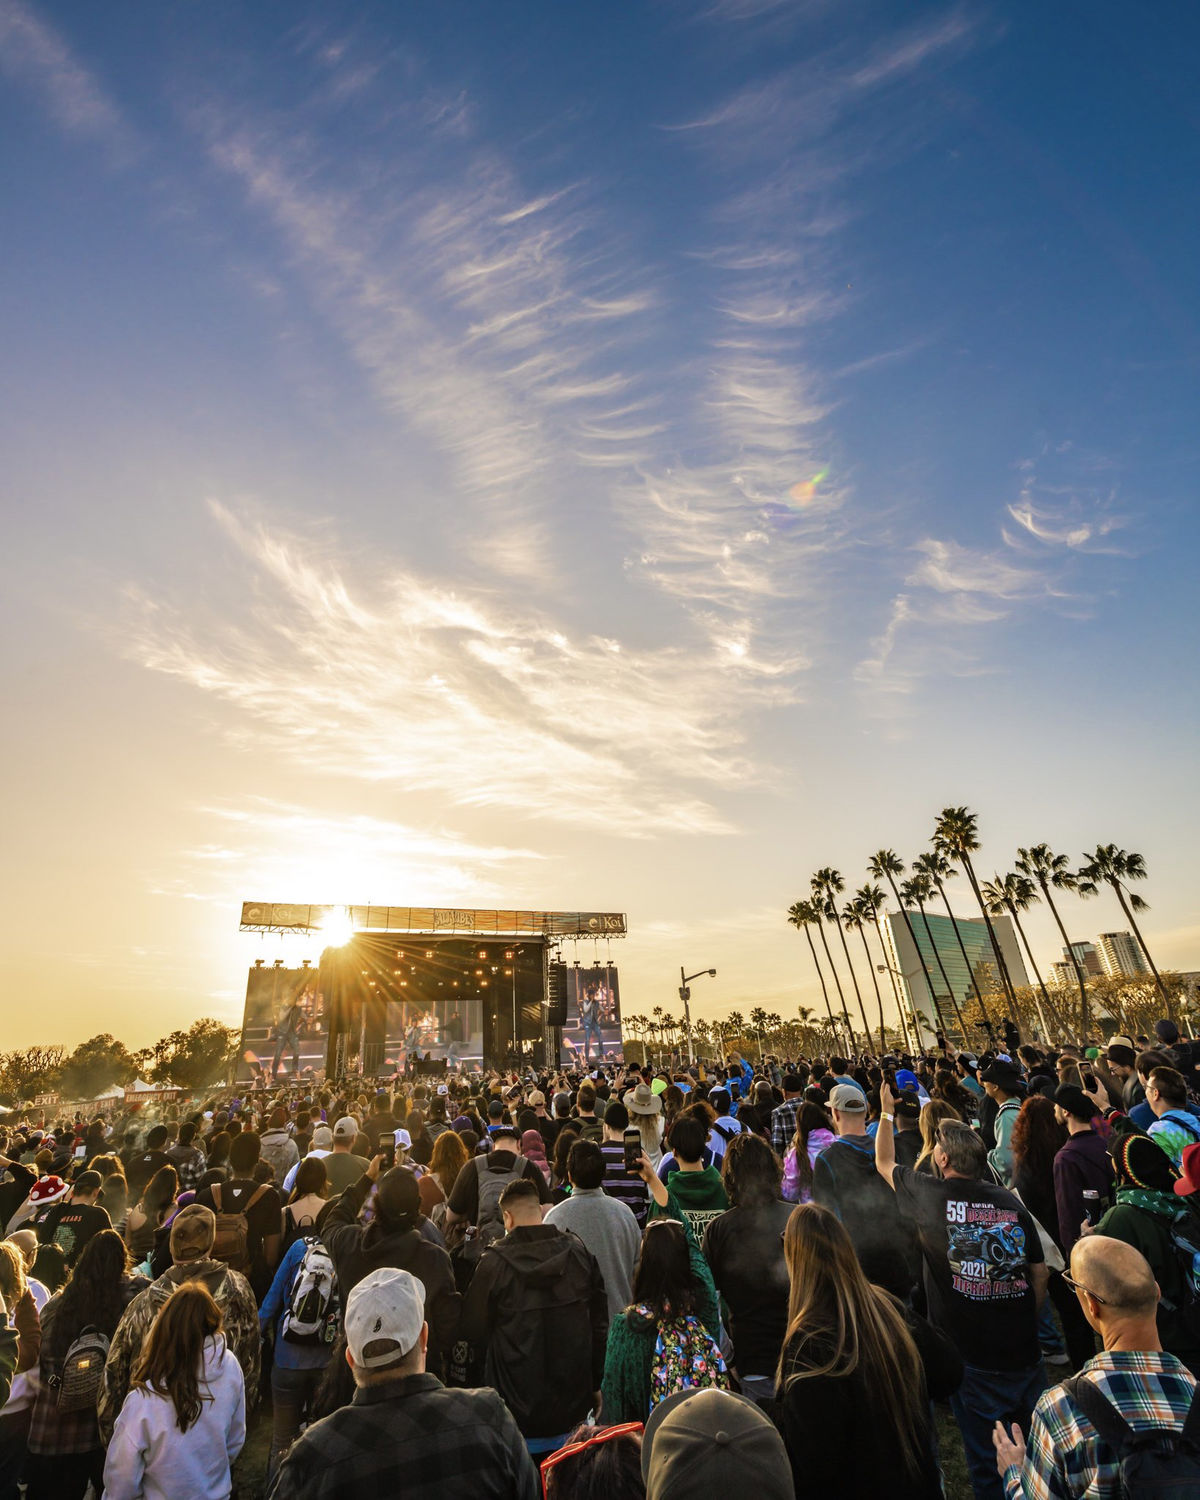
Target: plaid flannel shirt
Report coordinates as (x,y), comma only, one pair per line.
(783,1125)
(1065,1458)
(413,1437)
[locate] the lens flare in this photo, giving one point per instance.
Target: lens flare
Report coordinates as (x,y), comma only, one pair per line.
(805,491)
(337,928)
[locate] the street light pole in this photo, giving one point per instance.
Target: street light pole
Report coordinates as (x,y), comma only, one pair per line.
(685,995)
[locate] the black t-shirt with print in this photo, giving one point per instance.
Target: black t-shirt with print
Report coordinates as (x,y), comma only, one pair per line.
(70,1226)
(978,1244)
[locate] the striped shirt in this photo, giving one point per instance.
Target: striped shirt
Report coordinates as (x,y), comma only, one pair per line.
(625,1186)
(1066,1458)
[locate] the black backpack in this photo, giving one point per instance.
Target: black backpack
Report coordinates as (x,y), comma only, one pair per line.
(1154,1465)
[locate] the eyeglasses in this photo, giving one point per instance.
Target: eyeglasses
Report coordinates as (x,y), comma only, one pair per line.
(599,1435)
(1078,1286)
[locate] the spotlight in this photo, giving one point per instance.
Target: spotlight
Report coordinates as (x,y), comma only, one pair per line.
(337,927)
(508,954)
(483,952)
(429,953)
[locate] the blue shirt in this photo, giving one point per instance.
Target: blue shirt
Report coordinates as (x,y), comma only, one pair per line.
(290,1356)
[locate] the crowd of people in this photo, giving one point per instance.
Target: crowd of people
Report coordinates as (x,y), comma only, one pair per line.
(635,1281)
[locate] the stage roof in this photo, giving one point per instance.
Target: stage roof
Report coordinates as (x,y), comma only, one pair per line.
(266,916)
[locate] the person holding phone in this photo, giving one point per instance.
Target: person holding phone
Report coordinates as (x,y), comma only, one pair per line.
(622,1149)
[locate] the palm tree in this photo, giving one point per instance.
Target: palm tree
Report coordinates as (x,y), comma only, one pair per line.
(1041,864)
(856,914)
(827,884)
(956,835)
(804,915)
(887,865)
(1117,867)
(872,900)
(758,1024)
(1015,893)
(736,1023)
(916,890)
(819,907)
(935,870)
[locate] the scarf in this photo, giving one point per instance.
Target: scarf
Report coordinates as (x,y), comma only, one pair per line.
(1164,1205)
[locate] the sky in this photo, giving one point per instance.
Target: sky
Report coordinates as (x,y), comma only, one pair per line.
(583,457)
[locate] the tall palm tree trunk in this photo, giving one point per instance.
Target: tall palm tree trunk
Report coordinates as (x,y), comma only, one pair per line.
(833,970)
(862,932)
(862,1009)
(962,948)
(1037,974)
(1005,978)
(1069,950)
(962,1024)
(896,995)
(937,1004)
(820,975)
(1137,932)
(916,946)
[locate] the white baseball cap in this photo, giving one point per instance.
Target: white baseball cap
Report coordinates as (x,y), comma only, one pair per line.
(385,1313)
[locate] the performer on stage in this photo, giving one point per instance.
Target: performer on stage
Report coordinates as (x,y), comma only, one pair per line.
(589,1015)
(287,1036)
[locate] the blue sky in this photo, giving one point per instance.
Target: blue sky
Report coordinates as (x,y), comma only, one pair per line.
(607,456)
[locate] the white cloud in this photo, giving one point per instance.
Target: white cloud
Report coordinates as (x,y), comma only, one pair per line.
(404,683)
(32,51)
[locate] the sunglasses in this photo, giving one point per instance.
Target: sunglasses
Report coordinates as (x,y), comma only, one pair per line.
(1078,1286)
(599,1435)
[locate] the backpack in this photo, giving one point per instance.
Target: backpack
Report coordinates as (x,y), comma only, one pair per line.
(591,1130)
(232,1241)
(489,1221)
(313,1313)
(685,1358)
(1185,1241)
(78,1382)
(1150,1464)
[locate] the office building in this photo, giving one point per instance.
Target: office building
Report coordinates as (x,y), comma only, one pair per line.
(1121,954)
(942,941)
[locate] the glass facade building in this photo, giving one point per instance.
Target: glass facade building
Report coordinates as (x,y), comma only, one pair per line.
(940,941)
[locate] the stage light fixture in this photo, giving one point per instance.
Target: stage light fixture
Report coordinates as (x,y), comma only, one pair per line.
(508,953)
(483,984)
(508,973)
(483,952)
(429,953)
(478,973)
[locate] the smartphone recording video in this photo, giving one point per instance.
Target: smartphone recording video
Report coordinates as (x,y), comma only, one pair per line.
(633,1149)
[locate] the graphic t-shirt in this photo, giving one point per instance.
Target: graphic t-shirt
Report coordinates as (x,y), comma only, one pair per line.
(70,1226)
(978,1243)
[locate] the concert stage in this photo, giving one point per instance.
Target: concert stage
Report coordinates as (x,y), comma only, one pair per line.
(410,989)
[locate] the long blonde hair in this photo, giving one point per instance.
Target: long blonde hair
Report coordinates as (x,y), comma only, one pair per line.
(932,1115)
(862,1325)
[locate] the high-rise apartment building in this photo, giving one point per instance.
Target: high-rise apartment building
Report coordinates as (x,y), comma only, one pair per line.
(1062,971)
(1089,959)
(1121,955)
(940,941)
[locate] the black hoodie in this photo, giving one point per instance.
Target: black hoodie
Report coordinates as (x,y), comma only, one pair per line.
(535,1327)
(358,1249)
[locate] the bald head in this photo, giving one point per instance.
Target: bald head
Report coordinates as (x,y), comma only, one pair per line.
(1116,1273)
(26,1242)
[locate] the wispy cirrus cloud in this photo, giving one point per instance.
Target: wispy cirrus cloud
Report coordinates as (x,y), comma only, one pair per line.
(404,684)
(33,53)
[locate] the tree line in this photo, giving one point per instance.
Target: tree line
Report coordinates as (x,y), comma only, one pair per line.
(1039,875)
(202,1055)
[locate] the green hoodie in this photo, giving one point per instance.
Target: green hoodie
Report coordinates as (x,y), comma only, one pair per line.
(698,1196)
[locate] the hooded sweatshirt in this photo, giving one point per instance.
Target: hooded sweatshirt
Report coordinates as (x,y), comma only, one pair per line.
(534,1327)
(698,1196)
(230,1291)
(358,1249)
(150,1459)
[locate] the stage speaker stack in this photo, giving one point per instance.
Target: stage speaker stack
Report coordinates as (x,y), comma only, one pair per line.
(556,994)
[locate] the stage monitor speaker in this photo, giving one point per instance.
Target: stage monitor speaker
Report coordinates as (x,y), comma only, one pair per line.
(556,995)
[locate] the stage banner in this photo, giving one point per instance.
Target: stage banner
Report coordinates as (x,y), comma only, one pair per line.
(593,1030)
